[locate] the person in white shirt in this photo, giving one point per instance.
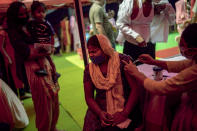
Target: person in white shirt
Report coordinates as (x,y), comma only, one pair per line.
(134,18)
(162,21)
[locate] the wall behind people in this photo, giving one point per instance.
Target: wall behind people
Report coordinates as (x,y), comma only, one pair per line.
(55,17)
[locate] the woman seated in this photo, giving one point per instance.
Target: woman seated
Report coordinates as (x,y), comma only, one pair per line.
(185,81)
(115,106)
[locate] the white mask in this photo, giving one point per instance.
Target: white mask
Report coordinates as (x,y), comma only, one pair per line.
(189,53)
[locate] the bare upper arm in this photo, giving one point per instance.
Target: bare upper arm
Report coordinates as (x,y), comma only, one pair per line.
(88,90)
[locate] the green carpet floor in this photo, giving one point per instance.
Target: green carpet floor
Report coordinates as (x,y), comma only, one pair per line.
(71,95)
(170,44)
(65,122)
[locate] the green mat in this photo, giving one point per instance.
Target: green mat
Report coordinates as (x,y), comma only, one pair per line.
(65,122)
(169,44)
(71,93)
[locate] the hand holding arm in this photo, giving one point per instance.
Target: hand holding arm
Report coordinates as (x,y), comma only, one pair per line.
(147,59)
(119,117)
(106,118)
(133,72)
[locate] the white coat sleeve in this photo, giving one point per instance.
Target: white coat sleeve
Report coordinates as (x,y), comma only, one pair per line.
(123,22)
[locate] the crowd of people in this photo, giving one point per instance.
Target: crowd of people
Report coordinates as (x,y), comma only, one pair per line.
(26,46)
(120,102)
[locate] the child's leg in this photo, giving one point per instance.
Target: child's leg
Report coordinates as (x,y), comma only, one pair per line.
(42,96)
(40,63)
(42,70)
(42,104)
(54,73)
(51,63)
(55,113)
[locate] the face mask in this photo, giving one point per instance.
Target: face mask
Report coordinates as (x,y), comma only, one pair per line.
(22,21)
(189,53)
(97,59)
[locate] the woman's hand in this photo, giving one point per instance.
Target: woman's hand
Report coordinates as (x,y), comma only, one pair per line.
(158,8)
(119,117)
(147,59)
(143,44)
(130,67)
(132,70)
(106,118)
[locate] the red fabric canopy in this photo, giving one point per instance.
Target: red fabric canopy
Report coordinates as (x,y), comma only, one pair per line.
(4,4)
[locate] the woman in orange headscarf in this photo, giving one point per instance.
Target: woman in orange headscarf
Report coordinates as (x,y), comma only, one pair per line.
(115,104)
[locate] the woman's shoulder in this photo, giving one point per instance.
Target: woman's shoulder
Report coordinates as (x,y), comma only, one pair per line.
(125,57)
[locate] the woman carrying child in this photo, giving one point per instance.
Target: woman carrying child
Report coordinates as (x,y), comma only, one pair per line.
(44,90)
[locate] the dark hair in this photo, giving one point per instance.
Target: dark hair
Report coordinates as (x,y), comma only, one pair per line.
(12,13)
(2,19)
(36,4)
(93,41)
(190,35)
